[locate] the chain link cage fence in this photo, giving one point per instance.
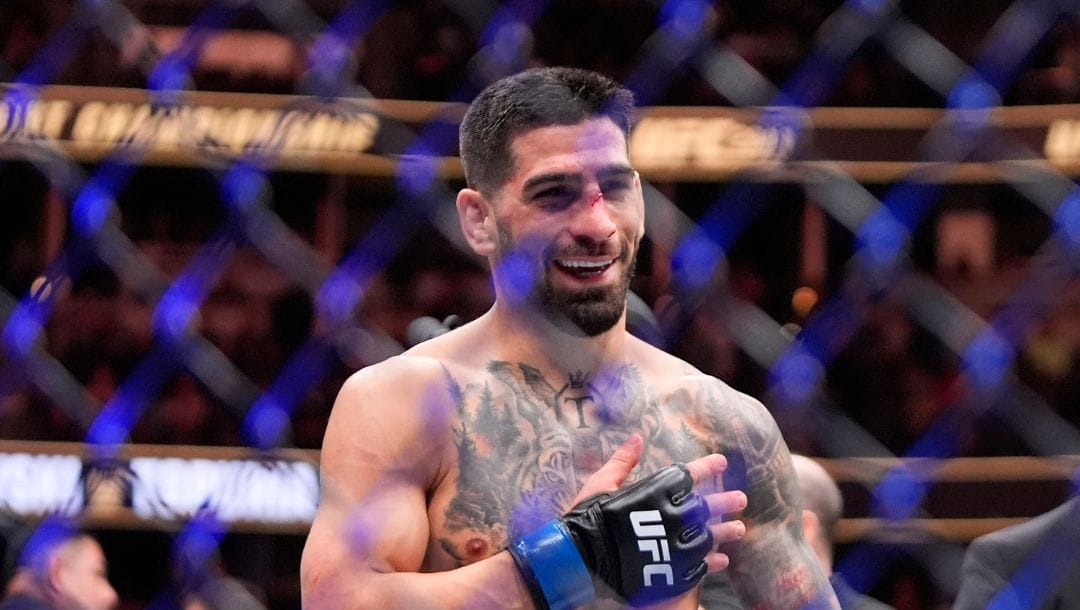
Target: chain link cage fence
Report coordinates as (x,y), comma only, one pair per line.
(863,212)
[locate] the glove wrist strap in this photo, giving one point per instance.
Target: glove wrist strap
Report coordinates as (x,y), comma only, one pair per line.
(552,567)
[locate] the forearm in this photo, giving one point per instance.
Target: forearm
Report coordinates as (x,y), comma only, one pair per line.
(773,566)
(780,573)
(491,583)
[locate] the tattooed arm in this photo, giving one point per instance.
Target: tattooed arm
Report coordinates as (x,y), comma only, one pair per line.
(773,566)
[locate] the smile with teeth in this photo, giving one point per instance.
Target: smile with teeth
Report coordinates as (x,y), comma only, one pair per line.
(583,268)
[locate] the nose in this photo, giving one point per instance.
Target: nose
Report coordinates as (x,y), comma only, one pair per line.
(112,599)
(592,219)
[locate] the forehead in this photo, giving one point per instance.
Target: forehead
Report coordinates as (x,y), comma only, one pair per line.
(577,148)
(84,551)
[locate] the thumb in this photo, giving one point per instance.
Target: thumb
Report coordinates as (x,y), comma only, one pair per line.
(614,471)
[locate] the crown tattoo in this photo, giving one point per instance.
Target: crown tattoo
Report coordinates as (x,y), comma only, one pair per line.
(578,379)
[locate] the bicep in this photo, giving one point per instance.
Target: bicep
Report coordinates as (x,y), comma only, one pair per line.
(759,463)
(372,515)
(348,542)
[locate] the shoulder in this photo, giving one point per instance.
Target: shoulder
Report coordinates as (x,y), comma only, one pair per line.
(728,408)
(391,402)
(1066,513)
(706,400)
(725,418)
(992,559)
(743,427)
(400,373)
(23,602)
(658,363)
(671,371)
(1017,539)
(433,366)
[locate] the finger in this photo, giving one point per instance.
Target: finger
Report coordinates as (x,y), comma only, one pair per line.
(618,467)
(611,475)
(725,502)
(703,469)
(717,561)
(624,459)
(727,531)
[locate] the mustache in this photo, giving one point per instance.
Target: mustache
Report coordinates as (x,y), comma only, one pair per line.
(619,251)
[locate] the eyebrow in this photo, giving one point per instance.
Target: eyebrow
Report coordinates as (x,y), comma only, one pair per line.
(559,177)
(536,182)
(615,171)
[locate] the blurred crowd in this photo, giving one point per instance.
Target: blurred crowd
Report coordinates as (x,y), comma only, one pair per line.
(889,372)
(429,49)
(890,375)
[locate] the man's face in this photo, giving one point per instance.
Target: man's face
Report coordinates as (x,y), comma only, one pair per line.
(573,210)
(81,580)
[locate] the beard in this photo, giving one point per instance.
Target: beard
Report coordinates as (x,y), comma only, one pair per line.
(591,310)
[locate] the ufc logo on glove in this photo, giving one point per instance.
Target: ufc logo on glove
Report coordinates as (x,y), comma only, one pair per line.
(620,542)
(652,538)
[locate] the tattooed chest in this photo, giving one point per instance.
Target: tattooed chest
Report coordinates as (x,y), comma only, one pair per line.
(524,446)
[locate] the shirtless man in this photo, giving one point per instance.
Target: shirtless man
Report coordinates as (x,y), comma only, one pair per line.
(436,461)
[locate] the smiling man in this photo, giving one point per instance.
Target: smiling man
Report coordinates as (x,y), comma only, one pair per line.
(541,455)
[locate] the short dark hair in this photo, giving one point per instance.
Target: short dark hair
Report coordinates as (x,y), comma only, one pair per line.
(534,98)
(31,546)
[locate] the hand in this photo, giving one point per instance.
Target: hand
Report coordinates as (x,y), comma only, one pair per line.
(641,544)
(706,473)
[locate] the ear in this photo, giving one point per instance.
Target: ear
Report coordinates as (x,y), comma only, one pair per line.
(54,573)
(811,524)
(477,221)
(641,198)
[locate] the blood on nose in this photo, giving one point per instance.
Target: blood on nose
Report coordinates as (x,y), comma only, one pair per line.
(594,222)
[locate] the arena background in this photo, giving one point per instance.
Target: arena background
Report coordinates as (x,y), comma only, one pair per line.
(863,212)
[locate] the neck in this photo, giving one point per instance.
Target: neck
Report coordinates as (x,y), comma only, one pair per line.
(822,550)
(24,583)
(531,337)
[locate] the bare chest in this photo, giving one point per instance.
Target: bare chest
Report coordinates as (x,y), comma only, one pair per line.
(523,445)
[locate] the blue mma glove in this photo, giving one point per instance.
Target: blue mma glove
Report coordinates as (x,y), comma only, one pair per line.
(644,544)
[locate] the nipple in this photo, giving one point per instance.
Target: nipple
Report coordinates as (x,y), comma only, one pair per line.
(476,549)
